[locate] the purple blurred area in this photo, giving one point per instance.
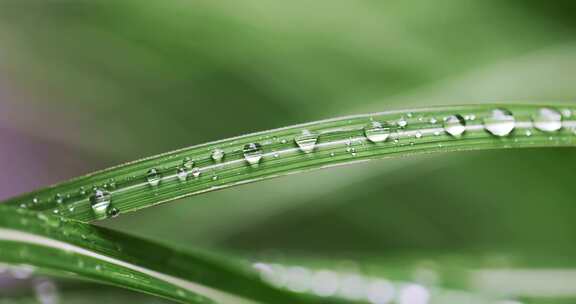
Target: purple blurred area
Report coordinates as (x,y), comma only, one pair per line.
(31,154)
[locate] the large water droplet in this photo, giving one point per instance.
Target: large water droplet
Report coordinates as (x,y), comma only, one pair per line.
(306,141)
(100,201)
(548,120)
(217,154)
(253,153)
(153,177)
(500,122)
(454,125)
(377,132)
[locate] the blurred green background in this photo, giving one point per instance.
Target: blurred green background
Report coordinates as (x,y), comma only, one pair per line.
(89,84)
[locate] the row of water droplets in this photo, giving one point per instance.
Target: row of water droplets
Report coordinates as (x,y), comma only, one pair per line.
(498,122)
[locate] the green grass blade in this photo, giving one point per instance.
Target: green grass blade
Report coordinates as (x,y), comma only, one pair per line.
(194,170)
(55,245)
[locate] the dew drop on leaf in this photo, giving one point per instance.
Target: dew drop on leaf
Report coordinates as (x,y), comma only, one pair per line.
(306,141)
(196,172)
(454,125)
(113,212)
(252,153)
(500,122)
(153,177)
(217,154)
(188,163)
(547,120)
(377,132)
(182,174)
(402,122)
(100,201)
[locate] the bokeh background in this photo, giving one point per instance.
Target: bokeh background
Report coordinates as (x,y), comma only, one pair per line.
(89,84)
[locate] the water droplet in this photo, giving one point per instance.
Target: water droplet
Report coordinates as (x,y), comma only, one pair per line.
(252,153)
(196,172)
(377,132)
(283,141)
(59,199)
(100,201)
(188,163)
(402,122)
(306,141)
(500,122)
(547,120)
(182,174)
(433,120)
(217,154)
(113,212)
(418,134)
(528,133)
(215,177)
(82,191)
(332,154)
(153,177)
(454,125)
(35,200)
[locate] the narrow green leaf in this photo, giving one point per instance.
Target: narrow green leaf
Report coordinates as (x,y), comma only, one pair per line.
(273,153)
(55,245)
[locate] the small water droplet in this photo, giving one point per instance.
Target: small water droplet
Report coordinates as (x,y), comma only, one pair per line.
(332,154)
(433,120)
(59,199)
(182,174)
(100,201)
(418,134)
(188,163)
(276,155)
(283,141)
(35,200)
(377,132)
(306,141)
(252,153)
(454,125)
(547,120)
(217,154)
(402,122)
(215,177)
(528,133)
(113,212)
(436,133)
(82,191)
(500,122)
(153,177)
(196,172)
